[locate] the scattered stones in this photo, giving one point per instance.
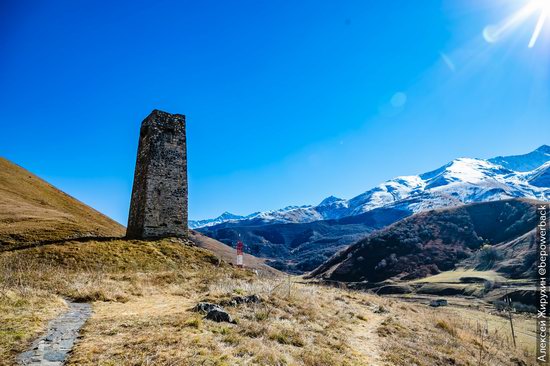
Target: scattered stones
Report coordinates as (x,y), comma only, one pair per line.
(438,302)
(517,362)
(213,312)
(53,347)
(220,315)
(206,307)
(217,313)
(237,300)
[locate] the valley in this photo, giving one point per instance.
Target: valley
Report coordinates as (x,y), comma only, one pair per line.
(275,183)
(298,239)
(368,304)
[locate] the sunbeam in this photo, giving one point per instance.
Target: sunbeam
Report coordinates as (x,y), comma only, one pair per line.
(538,28)
(493,33)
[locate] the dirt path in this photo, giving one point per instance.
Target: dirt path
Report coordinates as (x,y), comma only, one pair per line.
(53,347)
(365,339)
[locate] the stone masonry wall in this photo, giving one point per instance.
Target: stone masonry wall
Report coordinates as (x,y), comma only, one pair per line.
(159,195)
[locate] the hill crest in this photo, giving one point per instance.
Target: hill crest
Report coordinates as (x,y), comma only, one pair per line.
(32,211)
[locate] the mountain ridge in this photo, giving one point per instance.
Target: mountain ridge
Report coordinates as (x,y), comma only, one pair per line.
(301,238)
(486,235)
(480,180)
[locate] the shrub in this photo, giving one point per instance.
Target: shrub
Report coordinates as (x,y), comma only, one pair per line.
(446,326)
(489,255)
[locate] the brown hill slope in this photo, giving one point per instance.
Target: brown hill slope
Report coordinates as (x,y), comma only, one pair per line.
(32,210)
(486,235)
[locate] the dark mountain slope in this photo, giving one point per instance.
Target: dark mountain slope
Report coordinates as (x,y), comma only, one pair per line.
(437,240)
(302,247)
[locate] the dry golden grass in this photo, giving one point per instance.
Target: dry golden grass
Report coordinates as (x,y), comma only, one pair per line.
(453,336)
(143,292)
(32,210)
(23,314)
(458,275)
(34,281)
(309,325)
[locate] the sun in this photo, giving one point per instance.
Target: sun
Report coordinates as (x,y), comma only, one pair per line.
(541,8)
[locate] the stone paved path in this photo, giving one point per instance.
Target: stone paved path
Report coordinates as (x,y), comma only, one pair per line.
(53,347)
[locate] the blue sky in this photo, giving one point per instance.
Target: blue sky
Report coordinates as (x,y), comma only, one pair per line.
(287,102)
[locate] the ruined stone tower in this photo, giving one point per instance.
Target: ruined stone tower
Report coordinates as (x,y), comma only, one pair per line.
(159,196)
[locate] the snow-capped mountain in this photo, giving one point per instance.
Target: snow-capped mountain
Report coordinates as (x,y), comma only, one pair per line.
(463,180)
(224,217)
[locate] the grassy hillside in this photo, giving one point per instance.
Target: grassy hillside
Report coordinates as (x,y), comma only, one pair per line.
(142,294)
(32,210)
(487,235)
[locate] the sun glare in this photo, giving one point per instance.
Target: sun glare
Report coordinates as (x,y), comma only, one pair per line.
(545,7)
(541,8)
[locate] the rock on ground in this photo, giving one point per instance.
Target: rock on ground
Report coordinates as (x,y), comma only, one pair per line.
(214,312)
(219,315)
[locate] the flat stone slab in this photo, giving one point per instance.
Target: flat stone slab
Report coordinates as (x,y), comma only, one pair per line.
(52,348)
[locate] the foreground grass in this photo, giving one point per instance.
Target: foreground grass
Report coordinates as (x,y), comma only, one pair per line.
(143,292)
(454,336)
(33,282)
(23,314)
(308,327)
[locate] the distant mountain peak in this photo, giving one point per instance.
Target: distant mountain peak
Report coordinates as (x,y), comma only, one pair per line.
(228,215)
(224,217)
(544,149)
(330,200)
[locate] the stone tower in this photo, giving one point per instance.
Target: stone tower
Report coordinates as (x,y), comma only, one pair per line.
(159,196)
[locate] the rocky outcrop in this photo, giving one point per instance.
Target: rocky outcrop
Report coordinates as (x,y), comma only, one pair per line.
(217,313)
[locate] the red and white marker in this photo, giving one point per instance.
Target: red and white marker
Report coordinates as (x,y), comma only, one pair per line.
(240,247)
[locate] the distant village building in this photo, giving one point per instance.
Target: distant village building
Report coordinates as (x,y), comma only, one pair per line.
(159,196)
